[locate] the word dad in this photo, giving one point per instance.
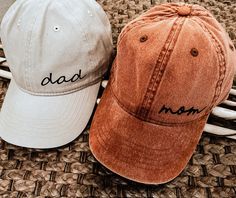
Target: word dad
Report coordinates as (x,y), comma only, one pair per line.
(62,79)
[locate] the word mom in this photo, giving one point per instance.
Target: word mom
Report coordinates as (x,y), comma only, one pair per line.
(62,79)
(181,110)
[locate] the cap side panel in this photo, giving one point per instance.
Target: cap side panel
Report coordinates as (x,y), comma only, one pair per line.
(13,10)
(79,21)
(101,17)
(222,64)
(228,50)
(14,24)
(94,12)
(159,69)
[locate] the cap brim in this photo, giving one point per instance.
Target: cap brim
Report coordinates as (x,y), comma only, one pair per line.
(45,121)
(139,150)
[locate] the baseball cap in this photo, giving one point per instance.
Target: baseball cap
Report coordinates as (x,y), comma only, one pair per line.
(58,52)
(174,64)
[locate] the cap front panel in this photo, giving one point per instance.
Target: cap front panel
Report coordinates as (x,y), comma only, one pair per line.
(54,66)
(136,59)
(188,85)
(83,58)
(63,53)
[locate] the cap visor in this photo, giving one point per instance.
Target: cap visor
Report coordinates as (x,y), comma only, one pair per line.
(139,150)
(45,121)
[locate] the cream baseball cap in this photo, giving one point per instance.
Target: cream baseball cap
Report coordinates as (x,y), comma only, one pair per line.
(58,52)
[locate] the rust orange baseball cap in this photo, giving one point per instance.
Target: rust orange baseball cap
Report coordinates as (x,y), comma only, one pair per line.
(174,64)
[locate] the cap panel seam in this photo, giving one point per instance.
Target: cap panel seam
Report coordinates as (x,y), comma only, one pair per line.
(149,120)
(160,68)
(222,64)
(28,51)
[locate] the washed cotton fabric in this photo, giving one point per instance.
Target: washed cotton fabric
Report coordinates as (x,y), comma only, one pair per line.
(174,64)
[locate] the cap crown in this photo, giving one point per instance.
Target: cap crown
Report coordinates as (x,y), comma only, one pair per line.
(173,67)
(55,47)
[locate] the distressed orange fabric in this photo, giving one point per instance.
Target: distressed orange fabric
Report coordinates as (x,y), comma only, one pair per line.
(174,64)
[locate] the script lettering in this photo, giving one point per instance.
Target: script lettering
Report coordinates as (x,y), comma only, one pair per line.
(181,110)
(62,79)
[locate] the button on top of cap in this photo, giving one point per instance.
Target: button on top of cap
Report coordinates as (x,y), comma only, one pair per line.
(184,11)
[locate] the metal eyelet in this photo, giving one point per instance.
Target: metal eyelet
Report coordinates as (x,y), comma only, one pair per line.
(194,52)
(231,47)
(143,38)
(56,28)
